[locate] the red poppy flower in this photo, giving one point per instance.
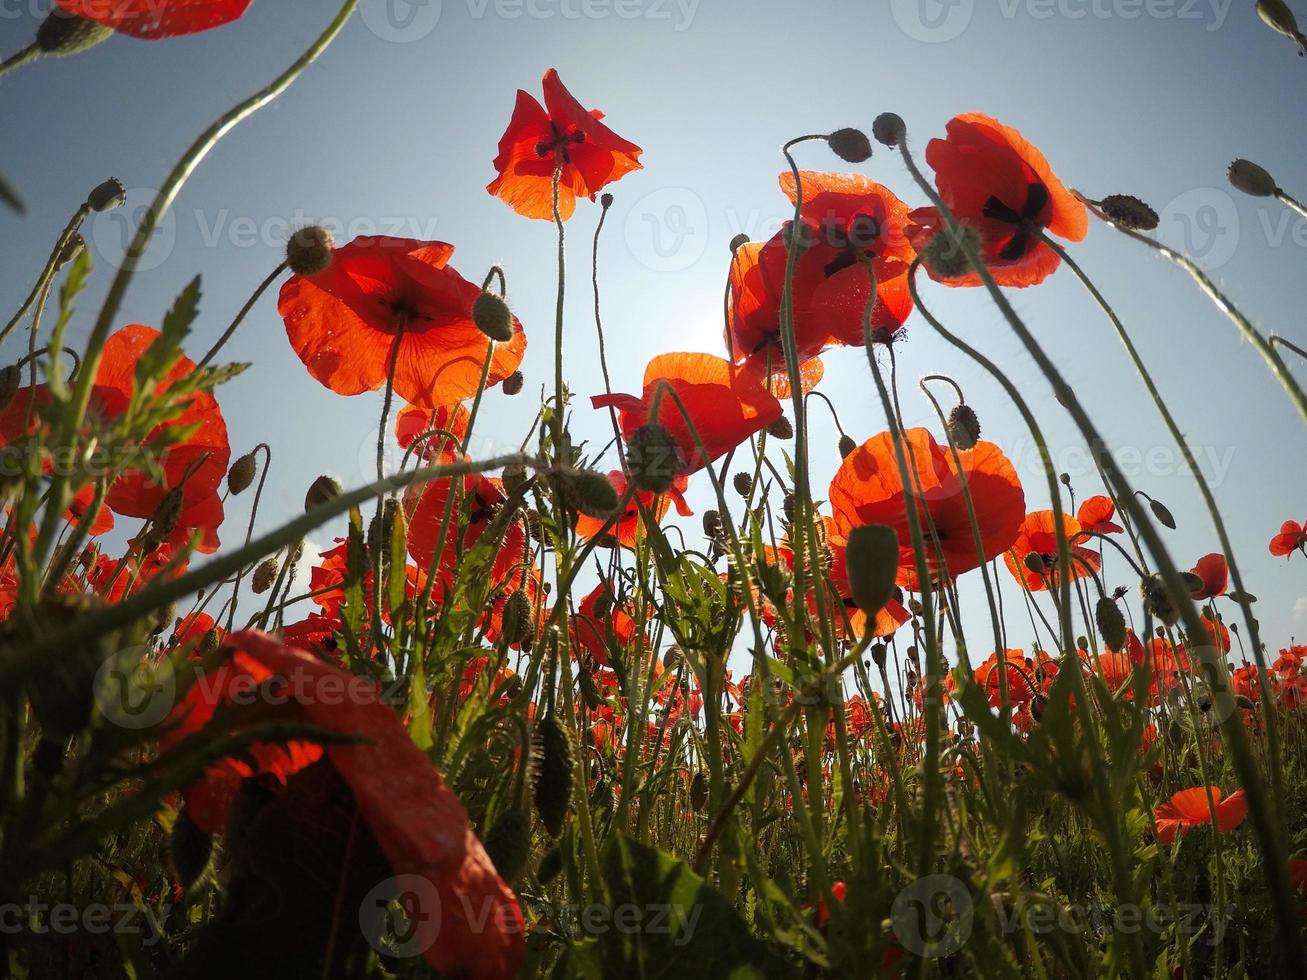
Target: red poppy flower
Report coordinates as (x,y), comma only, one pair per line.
(481,500)
(1292,537)
(593,633)
(151,19)
(195,460)
(1215,576)
(1038,537)
(1217,632)
(1114,668)
(867,490)
(888,618)
(327,582)
(991,178)
(429,836)
(1095,516)
(344,323)
(727,403)
(630,524)
(559,136)
(413,420)
(1190,808)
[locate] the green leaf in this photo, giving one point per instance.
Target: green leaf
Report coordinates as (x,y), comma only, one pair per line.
(662,920)
(161,355)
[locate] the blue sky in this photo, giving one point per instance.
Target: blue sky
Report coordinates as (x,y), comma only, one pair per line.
(394,129)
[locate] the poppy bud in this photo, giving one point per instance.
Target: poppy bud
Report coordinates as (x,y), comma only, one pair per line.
(1158,600)
(847,445)
(712,524)
(322,491)
(850,145)
(872,559)
(209,642)
(654,458)
(508,842)
(738,242)
(915,607)
(781,428)
(1034,563)
(788,506)
(164,617)
(878,655)
(1129,212)
(168,513)
(517,618)
(264,576)
(10,378)
(1244,701)
(190,849)
(774,581)
(550,865)
(1111,624)
(590,492)
(62,34)
(889,128)
(963,426)
(743,484)
(107,195)
(493,318)
(309,250)
(241,474)
(944,254)
(72,248)
(699,792)
(553,784)
(1248,177)
(1276,15)
(1161,512)
(606,201)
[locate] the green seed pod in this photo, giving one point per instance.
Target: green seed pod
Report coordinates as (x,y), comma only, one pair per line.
(1111,624)
(847,446)
(1248,177)
(1129,212)
(517,618)
(743,484)
(241,474)
(107,195)
(508,842)
(264,576)
(553,784)
(594,493)
(512,385)
(889,128)
(1158,600)
(309,250)
(699,792)
(323,490)
(944,254)
(493,317)
(1162,514)
(872,557)
(63,34)
(850,145)
(550,865)
(190,849)
(654,457)
(781,428)
(963,426)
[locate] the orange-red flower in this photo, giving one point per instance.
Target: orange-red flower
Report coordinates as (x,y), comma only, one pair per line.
(630,525)
(1095,516)
(429,836)
(991,178)
(867,489)
(345,322)
(151,19)
(482,498)
(1292,537)
(1038,537)
(192,447)
(442,422)
(560,137)
(1190,808)
(727,404)
(1214,574)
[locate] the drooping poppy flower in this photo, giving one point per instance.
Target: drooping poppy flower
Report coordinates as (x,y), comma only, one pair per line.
(152,19)
(1214,573)
(190,450)
(867,489)
(1189,808)
(630,524)
(438,424)
(428,837)
(1095,516)
(991,178)
(345,322)
(559,137)
(1292,537)
(727,404)
(1038,537)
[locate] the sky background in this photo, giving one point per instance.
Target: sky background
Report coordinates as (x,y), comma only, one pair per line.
(394,129)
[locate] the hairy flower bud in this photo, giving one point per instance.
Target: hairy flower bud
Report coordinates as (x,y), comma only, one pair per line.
(241,474)
(1248,177)
(168,513)
(781,428)
(508,842)
(63,34)
(1129,212)
(264,576)
(517,618)
(743,484)
(308,251)
(654,458)
(493,318)
(850,145)
(556,759)
(512,385)
(963,426)
(889,128)
(846,446)
(107,195)
(1111,624)
(323,490)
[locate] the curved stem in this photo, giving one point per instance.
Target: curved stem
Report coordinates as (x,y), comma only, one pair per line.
(51,267)
(240,316)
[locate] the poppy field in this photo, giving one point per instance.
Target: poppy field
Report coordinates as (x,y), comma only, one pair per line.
(538,712)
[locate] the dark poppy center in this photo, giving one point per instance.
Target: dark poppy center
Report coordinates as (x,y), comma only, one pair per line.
(855,240)
(1027,220)
(560,142)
